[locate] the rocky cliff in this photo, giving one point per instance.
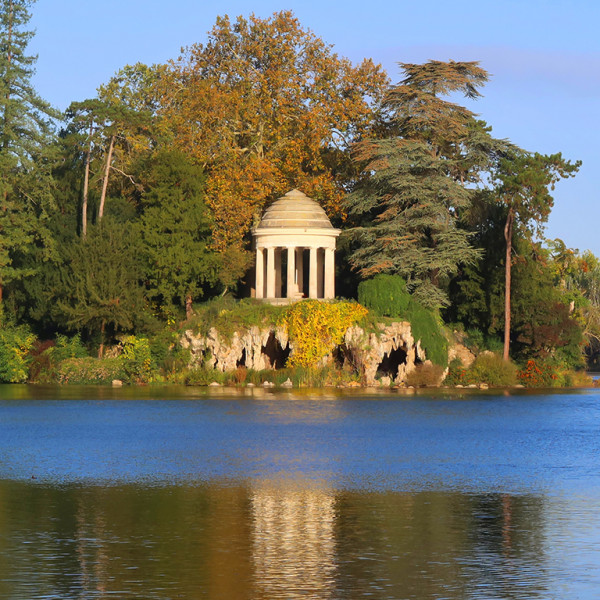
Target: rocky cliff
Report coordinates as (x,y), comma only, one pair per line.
(388,354)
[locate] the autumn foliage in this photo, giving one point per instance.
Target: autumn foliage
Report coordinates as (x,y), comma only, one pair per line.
(266,106)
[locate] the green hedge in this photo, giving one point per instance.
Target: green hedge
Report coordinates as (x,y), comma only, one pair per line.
(386,296)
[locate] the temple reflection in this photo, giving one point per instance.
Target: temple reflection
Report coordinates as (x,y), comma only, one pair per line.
(293,542)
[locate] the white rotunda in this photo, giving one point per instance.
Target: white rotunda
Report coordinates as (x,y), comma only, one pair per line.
(295,251)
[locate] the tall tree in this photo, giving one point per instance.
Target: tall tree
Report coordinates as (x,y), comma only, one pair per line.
(420,177)
(523,185)
(25,128)
(263,107)
(175,232)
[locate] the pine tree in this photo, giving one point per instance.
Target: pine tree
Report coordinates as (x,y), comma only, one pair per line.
(25,129)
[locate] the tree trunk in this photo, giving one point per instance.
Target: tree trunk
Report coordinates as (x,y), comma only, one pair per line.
(86,182)
(189,311)
(105,180)
(101,348)
(508,229)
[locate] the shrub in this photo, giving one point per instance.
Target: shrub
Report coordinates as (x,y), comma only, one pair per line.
(386,296)
(426,374)
(90,370)
(137,359)
(48,355)
(316,328)
(458,374)
(15,345)
(490,368)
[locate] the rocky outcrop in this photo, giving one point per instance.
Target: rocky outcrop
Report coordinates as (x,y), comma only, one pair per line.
(388,354)
(255,348)
(461,352)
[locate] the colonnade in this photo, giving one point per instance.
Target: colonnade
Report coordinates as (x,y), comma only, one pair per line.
(271,261)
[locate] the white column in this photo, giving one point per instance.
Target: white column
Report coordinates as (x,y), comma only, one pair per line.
(291,272)
(300,269)
(312,274)
(260,274)
(329,273)
(278,274)
(270,272)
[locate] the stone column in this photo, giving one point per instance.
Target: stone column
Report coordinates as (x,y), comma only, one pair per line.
(278,274)
(329,273)
(260,274)
(312,274)
(300,269)
(270,273)
(291,272)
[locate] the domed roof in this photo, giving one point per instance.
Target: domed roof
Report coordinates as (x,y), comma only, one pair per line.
(295,210)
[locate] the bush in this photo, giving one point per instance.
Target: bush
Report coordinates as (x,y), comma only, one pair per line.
(386,296)
(426,374)
(48,355)
(316,328)
(90,370)
(490,368)
(137,359)
(15,345)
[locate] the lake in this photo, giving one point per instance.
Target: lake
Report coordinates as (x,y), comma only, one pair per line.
(188,493)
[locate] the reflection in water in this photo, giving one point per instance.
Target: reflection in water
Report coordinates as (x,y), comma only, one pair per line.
(271,542)
(293,546)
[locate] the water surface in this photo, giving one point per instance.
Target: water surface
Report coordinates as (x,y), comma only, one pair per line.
(195,493)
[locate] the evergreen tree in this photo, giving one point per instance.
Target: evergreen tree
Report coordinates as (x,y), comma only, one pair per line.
(176,229)
(419,180)
(25,129)
(100,287)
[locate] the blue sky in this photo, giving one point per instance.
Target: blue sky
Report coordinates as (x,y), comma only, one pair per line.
(544,57)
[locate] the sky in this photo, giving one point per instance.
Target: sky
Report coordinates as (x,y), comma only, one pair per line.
(543,56)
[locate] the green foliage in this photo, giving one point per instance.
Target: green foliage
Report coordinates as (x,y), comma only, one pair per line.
(228,315)
(47,357)
(490,368)
(487,368)
(386,296)
(100,280)
(15,344)
(176,229)
(406,206)
(25,184)
(137,360)
(82,371)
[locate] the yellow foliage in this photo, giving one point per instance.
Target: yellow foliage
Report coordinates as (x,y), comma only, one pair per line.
(315,328)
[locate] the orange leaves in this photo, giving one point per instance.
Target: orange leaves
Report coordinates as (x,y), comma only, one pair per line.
(265,106)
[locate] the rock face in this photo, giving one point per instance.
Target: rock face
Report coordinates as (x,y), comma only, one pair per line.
(254,348)
(388,354)
(391,352)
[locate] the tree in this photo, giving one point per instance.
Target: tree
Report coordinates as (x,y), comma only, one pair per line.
(96,126)
(100,289)
(420,178)
(523,185)
(175,229)
(263,107)
(25,128)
